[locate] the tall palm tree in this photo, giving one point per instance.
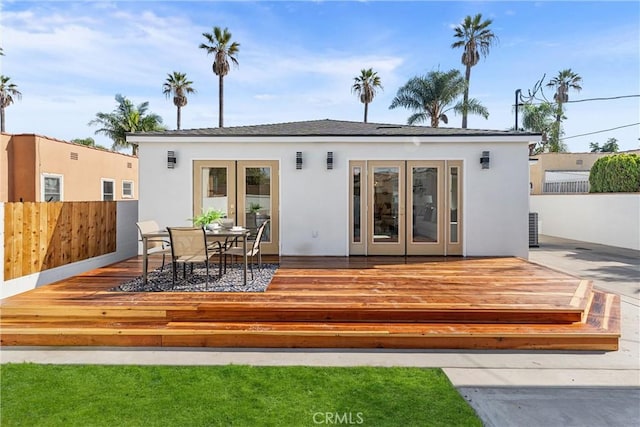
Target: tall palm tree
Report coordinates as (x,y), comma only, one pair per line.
(126,118)
(476,38)
(366,86)
(8,93)
(178,86)
(223,50)
(431,96)
(565,80)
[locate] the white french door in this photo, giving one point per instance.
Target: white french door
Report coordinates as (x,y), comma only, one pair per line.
(405,207)
(247,191)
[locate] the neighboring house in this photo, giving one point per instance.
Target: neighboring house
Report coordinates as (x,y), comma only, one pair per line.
(337,188)
(563,172)
(36,168)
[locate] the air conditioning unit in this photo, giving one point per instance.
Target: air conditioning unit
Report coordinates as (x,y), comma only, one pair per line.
(533,229)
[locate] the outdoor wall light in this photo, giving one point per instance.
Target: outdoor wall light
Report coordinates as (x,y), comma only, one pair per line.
(298,160)
(329,160)
(484,160)
(171,159)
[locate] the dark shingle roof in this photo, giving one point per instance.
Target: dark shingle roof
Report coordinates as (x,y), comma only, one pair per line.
(331,128)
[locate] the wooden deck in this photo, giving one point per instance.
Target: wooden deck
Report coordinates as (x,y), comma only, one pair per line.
(356,302)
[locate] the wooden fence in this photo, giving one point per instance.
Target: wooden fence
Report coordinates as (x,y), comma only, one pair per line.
(40,235)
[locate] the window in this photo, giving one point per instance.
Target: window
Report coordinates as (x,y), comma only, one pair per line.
(107,190)
(127,189)
(51,188)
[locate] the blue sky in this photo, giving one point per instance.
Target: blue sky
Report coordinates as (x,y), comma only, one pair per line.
(298,60)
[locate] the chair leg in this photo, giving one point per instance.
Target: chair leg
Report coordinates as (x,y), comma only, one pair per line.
(175,272)
(206,263)
(162,266)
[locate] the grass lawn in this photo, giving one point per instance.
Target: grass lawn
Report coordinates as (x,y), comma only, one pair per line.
(233,395)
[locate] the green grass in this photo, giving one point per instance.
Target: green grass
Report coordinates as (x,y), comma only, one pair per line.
(234,395)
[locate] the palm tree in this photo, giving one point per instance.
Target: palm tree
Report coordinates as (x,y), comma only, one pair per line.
(562,83)
(431,96)
(221,47)
(539,118)
(126,118)
(8,93)
(475,36)
(365,86)
(178,86)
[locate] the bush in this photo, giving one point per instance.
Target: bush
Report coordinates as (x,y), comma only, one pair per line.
(618,173)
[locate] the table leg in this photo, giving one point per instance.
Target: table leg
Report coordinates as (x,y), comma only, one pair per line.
(244,250)
(144,260)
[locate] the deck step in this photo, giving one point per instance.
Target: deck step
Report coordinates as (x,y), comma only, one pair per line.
(599,331)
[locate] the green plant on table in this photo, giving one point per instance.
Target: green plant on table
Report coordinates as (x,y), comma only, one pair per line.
(207,217)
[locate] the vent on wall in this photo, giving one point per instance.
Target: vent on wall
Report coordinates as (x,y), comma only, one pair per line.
(73,156)
(129,165)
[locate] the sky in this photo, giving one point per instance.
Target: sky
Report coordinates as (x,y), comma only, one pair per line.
(297,61)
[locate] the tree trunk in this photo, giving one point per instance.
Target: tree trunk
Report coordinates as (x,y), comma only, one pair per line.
(178,118)
(366,111)
(467,77)
(2,119)
(220,99)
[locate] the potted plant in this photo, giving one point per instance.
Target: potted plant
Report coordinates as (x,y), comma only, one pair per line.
(254,208)
(208,217)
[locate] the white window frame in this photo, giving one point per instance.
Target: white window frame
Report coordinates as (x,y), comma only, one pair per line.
(113,183)
(43,176)
(124,194)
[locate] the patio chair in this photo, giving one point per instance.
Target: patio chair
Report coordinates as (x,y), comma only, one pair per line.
(163,244)
(189,246)
(252,251)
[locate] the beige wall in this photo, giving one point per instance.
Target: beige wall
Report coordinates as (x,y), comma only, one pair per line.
(4,167)
(82,169)
(559,162)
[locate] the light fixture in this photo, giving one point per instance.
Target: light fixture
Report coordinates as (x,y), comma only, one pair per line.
(298,160)
(329,160)
(171,159)
(484,160)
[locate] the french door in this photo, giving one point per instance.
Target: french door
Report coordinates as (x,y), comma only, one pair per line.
(405,207)
(247,191)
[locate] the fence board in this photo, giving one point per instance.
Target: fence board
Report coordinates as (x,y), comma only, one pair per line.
(40,236)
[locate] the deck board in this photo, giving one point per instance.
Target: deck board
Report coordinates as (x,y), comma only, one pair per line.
(393,302)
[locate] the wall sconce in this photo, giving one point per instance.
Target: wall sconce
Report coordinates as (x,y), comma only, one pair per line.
(298,160)
(329,160)
(484,160)
(171,159)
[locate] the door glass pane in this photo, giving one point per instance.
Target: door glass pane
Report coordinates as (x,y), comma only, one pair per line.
(453,205)
(214,189)
(386,192)
(425,204)
(357,228)
(258,200)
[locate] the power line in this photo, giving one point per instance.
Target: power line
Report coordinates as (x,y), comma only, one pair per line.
(603,99)
(601,131)
(608,98)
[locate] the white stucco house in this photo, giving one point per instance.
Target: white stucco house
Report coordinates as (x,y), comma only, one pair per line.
(338,188)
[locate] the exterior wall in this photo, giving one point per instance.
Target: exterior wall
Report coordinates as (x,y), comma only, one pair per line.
(605,218)
(561,162)
(126,247)
(314,215)
(29,156)
(22,169)
(4,166)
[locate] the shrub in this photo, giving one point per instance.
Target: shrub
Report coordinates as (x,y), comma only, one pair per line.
(618,173)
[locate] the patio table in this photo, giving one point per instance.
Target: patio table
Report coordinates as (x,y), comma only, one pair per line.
(242,234)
